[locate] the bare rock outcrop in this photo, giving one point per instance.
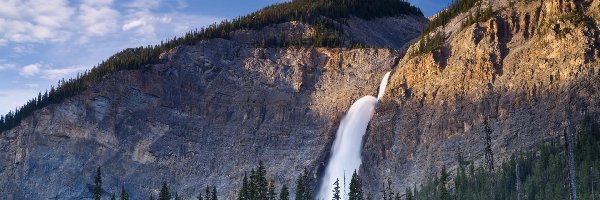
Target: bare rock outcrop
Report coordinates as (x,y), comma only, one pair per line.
(527,70)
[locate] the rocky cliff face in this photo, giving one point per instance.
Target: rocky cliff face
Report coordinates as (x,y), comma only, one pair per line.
(528,70)
(205,115)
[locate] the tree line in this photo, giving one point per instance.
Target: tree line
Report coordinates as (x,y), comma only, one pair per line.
(534,175)
(322,14)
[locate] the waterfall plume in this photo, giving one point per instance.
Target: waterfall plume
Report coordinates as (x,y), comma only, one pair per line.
(346,150)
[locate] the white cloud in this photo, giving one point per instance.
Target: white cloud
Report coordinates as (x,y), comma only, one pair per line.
(50,73)
(32,85)
(144,4)
(133,24)
(33,20)
(30,70)
(98,18)
(4,66)
(59,73)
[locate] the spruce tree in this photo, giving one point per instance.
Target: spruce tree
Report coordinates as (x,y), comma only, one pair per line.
(285,193)
(444,194)
(124,194)
(409,194)
(243,195)
(164,193)
(336,190)
(98,185)
(214,193)
(356,192)
(300,187)
(271,191)
(207,193)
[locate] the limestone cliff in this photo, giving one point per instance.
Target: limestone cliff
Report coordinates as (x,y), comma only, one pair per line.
(528,70)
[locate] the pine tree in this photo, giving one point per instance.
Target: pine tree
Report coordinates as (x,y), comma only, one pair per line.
(300,188)
(214,193)
(271,194)
(444,195)
(98,185)
(207,193)
(336,190)
(200,196)
(409,194)
(243,195)
(356,192)
(164,193)
(285,193)
(124,194)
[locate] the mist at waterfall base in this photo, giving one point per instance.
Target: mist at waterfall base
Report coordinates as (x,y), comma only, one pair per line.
(346,150)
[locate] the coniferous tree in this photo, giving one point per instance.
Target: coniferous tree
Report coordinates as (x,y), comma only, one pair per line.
(355,192)
(214,193)
(177,196)
(271,191)
(98,185)
(124,194)
(444,195)
(409,194)
(244,192)
(336,190)
(300,188)
(113,197)
(285,193)
(151,196)
(164,193)
(207,194)
(199,196)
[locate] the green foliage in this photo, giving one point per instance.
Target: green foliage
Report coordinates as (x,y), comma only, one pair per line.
(164,193)
(285,193)
(355,192)
(336,190)
(214,194)
(444,17)
(408,193)
(542,173)
(257,187)
(97,193)
(444,194)
(479,16)
(303,188)
(124,194)
(308,11)
(428,44)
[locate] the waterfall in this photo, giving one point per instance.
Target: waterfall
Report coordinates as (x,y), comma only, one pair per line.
(346,150)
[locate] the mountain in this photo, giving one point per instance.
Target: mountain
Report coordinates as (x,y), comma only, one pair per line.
(528,72)
(204,109)
(478,83)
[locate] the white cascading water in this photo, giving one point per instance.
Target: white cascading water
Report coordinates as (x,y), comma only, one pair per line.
(345,154)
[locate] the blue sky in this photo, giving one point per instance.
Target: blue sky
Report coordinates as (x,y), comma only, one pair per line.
(43,41)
